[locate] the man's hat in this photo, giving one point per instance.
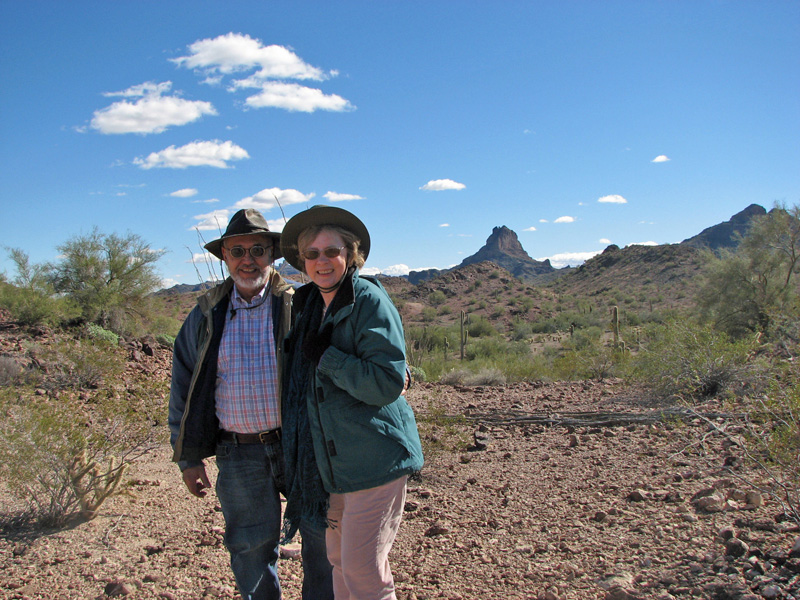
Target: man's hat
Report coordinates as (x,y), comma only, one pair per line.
(247,221)
(320,215)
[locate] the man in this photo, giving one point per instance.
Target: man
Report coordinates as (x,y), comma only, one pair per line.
(225,401)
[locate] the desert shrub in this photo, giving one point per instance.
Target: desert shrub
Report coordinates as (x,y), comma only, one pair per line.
(480,327)
(80,364)
(495,348)
(165,340)
(483,376)
(591,360)
(445,310)
(98,333)
(437,298)
(694,361)
(521,330)
(31,307)
(62,459)
(428,314)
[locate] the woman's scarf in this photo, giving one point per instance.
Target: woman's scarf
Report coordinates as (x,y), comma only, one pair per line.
(306,498)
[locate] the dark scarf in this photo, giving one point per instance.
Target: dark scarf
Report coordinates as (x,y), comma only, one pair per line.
(306,497)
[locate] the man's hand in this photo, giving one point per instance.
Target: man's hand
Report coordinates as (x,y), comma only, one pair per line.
(196,480)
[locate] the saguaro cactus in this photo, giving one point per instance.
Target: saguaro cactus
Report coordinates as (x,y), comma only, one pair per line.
(464,332)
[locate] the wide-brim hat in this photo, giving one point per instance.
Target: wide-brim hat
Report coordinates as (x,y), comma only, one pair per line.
(320,215)
(247,221)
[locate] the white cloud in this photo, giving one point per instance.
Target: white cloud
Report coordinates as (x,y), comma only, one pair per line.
(543,221)
(337,197)
(213,221)
(200,258)
(445,225)
(565,219)
(206,153)
(270,198)
(613,199)
(530,229)
(235,52)
(393,271)
(208,201)
(151,113)
(604,241)
(650,243)
(184,193)
(438,185)
(660,158)
(572,259)
(297,98)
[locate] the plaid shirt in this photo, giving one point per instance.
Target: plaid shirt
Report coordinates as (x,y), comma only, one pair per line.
(247,372)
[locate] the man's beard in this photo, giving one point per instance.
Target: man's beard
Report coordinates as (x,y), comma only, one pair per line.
(251,285)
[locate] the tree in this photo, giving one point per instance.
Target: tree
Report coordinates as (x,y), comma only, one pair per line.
(109,276)
(747,288)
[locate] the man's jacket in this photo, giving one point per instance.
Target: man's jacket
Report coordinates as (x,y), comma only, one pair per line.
(193,423)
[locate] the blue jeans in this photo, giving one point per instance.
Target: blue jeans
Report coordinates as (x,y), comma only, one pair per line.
(248,486)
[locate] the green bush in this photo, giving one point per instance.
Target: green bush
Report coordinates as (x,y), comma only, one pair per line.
(31,307)
(98,333)
(695,362)
(437,298)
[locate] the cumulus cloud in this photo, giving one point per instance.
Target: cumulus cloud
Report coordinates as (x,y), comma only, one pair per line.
(613,199)
(235,52)
(184,193)
(393,271)
(195,154)
(438,185)
(660,158)
(270,198)
(337,197)
(213,221)
(297,98)
(569,259)
(565,219)
(530,229)
(151,113)
(604,241)
(445,225)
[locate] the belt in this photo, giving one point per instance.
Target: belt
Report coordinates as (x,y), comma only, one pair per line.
(265,437)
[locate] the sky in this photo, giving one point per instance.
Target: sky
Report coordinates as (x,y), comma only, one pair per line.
(576,124)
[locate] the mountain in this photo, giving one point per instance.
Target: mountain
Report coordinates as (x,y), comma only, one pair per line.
(503,249)
(725,235)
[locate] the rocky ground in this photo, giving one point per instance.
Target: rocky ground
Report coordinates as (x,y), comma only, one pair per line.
(551,491)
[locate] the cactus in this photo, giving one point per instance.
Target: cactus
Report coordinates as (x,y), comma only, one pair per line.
(464,332)
(615,325)
(92,484)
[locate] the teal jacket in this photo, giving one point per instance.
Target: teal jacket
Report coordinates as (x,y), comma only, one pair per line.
(364,431)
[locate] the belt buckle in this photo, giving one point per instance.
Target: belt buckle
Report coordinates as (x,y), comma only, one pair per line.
(266,436)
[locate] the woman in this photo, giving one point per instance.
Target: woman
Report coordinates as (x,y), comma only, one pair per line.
(344,376)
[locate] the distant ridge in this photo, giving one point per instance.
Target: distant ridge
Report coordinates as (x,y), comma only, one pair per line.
(725,235)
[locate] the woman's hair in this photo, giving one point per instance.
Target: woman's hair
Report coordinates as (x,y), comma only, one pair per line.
(353,244)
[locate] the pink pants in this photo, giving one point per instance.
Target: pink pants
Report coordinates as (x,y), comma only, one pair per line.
(363,527)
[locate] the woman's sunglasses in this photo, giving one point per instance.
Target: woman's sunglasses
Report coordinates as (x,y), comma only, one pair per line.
(255,251)
(330,252)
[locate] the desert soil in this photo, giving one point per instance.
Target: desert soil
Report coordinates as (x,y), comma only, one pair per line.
(549,491)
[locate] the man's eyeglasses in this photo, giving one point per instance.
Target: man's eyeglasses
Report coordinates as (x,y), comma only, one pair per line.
(255,251)
(330,252)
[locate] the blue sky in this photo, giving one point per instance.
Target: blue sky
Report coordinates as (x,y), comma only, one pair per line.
(576,124)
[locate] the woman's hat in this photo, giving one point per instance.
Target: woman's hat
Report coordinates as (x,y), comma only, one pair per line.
(320,215)
(247,221)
